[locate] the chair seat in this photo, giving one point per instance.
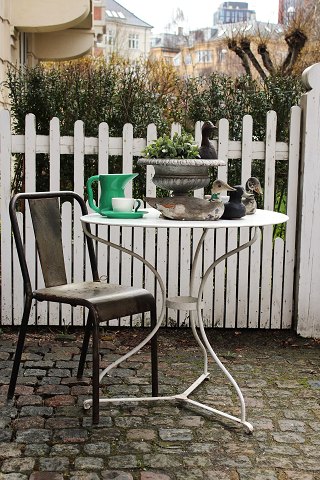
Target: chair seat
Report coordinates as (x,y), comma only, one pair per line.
(110,300)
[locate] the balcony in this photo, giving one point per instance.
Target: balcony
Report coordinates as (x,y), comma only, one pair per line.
(49,16)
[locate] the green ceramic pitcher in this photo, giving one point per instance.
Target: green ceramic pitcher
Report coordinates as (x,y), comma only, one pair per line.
(111,185)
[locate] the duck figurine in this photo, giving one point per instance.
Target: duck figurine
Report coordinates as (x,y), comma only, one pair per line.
(234,208)
(192,208)
(248,199)
(207,149)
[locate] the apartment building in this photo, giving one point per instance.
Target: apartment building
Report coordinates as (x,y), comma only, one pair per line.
(119,31)
(35,30)
(233,12)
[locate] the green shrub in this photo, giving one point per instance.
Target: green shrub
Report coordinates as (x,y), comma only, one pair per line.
(95,91)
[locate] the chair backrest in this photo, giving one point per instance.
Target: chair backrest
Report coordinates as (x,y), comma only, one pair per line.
(46,221)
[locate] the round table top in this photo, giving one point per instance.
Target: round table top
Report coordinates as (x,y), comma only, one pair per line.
(154,220)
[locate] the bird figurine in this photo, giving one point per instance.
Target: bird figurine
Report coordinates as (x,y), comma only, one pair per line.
(234,208)
(192,208)
(207,149)
(248,199)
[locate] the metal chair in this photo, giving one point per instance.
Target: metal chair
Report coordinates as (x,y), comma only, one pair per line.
(104,301)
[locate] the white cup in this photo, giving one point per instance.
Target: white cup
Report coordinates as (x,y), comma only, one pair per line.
(125,204)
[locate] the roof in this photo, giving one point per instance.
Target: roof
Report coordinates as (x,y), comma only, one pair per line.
(118,12)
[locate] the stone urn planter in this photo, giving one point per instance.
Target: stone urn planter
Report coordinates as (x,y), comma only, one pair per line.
(181,175)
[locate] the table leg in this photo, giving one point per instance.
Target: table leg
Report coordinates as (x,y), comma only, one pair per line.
(209,348)
(87,403)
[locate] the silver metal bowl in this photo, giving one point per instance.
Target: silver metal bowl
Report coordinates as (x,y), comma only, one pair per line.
(181,175)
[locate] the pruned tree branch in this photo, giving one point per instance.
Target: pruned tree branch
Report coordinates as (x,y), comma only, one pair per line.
(296,41)
(266,59)
(245,45)
(234,47)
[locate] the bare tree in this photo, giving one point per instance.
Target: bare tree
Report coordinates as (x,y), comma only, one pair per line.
(299,35)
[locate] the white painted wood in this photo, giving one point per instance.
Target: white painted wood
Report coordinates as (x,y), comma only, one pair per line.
(173,268)
(184,269)
(277,283)
(115,147)
(308,267)
(126,273)
(268,194)
(173,272)
(206,258)
(78,250)
(292,207)
(155,244)
(17,280)
(254,283)
(54,154)
(103,168)
(207,250)
(54,317)
(220,236)
(231,282)
(199,193)
(243,272)
(6,250)
(30,186)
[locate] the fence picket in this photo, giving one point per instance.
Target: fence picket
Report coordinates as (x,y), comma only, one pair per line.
(17,280)
(254,283)
(292,200)
(30,186)
(220,234)
(266,279)
(103,168)
(54,178)
(277,283)
(151,251)
(243,272)
(231,281)
(6,249)
(126,273)
(78,249)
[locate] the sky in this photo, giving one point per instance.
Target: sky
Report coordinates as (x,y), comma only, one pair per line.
(198,14)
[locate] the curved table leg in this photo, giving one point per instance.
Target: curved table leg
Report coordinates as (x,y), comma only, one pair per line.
(87,403)
(204,337)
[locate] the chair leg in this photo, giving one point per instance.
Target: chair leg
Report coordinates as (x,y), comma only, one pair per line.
(85,345)
(19,348)
(95,370)
(154,355)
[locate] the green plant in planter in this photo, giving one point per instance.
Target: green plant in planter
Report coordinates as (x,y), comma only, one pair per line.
(179,146)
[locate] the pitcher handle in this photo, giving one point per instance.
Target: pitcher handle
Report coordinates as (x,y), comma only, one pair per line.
(94,178)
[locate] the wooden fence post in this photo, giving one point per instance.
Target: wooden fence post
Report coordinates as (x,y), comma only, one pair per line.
(307,309)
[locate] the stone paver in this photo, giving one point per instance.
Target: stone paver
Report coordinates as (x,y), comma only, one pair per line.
(45,434)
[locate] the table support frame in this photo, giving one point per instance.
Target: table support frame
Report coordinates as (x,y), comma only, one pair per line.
(196,319)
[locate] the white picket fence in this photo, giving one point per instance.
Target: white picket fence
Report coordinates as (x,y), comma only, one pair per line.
(253,289)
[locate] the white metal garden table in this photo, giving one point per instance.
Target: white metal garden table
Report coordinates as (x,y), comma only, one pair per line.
(192,303)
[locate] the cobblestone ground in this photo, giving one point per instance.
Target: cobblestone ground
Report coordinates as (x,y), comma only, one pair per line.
(46,435)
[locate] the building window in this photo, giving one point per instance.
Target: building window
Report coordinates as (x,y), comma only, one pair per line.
(97,13)
(204,56)
(222,54)
(23,49)
(110,38)
(187,59)
(177,60)
(133,40)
